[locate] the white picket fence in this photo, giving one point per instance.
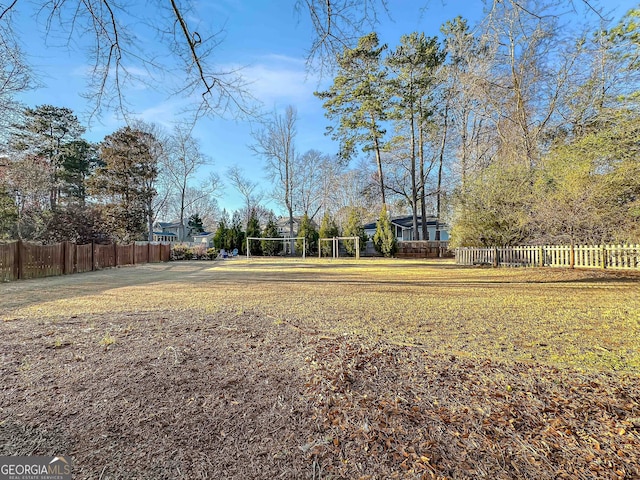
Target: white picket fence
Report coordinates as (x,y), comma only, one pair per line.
(571,256)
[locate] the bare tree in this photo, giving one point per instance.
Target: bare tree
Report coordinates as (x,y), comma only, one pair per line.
(338,24)
(313,189)
(202,200)
(275,143)
(15,74)
(246,188)
(181,164)
(119,58)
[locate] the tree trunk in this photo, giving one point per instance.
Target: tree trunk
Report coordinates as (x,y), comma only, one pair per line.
(440,165)
(423,180)
(150,220)
(414,188)
(379,164)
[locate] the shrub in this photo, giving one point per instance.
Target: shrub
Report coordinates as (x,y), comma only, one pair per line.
(384,240)
(307,234)
(197,252)
(355,228)
(179,252)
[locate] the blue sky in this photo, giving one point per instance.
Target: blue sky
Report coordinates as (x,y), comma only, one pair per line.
(268,39)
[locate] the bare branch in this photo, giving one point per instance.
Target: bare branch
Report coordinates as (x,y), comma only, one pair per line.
(338,24)
(9,8)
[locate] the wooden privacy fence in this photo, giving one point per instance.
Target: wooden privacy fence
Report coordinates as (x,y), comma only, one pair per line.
(423,249)
(23,260)
(571,256)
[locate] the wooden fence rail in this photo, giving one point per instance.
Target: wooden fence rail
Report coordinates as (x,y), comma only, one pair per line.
(570,256)
(23,260)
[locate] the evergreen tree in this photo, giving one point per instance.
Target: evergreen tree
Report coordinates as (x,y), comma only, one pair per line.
(384,240)
(308,232)
(122,184)
(78,160)
(253,230)
(354,228)
(271,247)
(195,224)
(8,215)
(414,63)
(236,234)
(44,134)
(328,229)
(359,101)
(220,237)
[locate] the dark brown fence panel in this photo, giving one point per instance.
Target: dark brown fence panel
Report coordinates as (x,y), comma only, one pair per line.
(41,260)
(8,262)
(423,249)
(142,253)
(27,260)
(154,253)
(84,258)
(69,260)
(104,256)
(125,254)
(165,252)
(157,252)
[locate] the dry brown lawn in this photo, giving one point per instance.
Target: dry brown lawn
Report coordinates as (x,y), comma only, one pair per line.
(324,369)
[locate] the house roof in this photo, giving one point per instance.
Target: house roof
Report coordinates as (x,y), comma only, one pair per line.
(203,234)
(284,222)
(168,224)
(407,222)
(165,234)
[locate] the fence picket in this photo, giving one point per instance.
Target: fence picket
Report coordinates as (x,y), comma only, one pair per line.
(621,256)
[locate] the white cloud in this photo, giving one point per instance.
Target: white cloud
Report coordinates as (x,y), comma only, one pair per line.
(279,79)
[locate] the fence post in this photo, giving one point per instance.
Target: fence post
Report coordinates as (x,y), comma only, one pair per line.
(93,255)
(572,256)
(148,252)
(64,258)
(541,256)
(115,254)
(496,262)
(17,261)
(604,256)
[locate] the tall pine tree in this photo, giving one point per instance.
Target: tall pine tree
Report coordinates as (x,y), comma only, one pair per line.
(122,184)
(359,101)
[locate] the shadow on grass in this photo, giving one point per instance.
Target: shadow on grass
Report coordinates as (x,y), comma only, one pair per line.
(401,274)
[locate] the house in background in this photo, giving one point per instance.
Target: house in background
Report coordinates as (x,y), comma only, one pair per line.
(283,226)
(204,238)
(403,229)
(168,232)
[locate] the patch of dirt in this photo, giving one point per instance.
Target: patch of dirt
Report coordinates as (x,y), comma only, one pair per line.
(169,398)
(241,395)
